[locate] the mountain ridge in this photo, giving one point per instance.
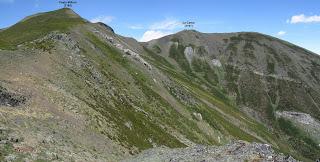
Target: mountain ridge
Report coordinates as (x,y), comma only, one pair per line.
(102,96)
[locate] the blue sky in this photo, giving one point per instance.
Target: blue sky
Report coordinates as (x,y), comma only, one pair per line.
(297,21)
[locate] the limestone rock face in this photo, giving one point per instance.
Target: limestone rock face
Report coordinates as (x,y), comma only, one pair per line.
(188,52)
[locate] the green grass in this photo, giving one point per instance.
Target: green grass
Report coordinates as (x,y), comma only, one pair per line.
(37,26)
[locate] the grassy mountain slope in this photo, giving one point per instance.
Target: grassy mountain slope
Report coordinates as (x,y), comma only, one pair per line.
(74,90)
(39,25)
(255,73)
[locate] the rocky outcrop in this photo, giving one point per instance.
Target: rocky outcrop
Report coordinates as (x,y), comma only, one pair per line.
(10,99)
(236,151)
(305,121)
(106,26)
(299,117)
(180,93)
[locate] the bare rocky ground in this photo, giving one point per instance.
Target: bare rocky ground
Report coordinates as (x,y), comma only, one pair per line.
(304,121)
(235,151)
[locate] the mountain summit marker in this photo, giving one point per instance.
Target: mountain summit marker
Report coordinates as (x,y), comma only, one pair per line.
(67,4)
(188,24)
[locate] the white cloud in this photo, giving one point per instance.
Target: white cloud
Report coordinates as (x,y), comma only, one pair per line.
(6,1)
(104,19)
(161,29)
(153,34)
(167,24)
(304,19)
(281,33)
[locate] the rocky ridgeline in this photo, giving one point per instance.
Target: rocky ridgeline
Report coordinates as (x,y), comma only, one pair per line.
(235,151)
(122,48)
